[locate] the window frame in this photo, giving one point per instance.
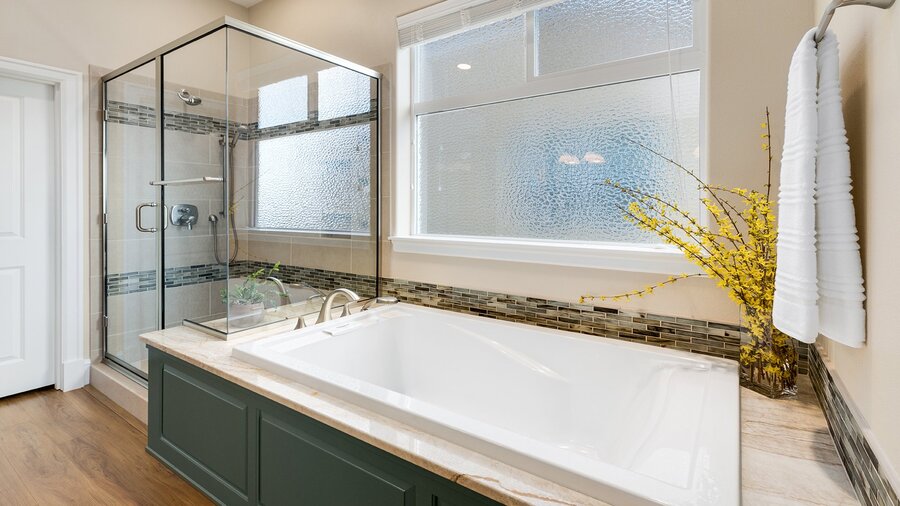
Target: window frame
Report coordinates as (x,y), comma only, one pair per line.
(657,258)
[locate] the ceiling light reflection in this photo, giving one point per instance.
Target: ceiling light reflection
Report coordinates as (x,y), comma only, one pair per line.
(595,158)
(568,159)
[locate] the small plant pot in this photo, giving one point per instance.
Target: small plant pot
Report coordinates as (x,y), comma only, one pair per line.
(245,315)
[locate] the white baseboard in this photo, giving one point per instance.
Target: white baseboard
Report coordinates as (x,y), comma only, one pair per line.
(74,374)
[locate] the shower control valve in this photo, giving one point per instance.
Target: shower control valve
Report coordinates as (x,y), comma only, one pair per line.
(184,215)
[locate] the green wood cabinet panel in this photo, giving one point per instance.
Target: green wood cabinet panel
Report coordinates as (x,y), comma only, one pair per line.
(207,424)
(430,488)
(239,447)
(200,426)
(295,468)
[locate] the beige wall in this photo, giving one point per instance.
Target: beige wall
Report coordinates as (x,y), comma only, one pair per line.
(750,48)
(102,34)
(108,33)
(870,78)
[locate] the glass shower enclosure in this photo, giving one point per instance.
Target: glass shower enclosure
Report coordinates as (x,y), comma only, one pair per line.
(241,183)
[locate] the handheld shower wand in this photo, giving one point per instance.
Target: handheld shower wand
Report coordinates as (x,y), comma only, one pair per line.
(227,144)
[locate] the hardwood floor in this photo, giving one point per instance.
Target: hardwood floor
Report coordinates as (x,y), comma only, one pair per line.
(77,448)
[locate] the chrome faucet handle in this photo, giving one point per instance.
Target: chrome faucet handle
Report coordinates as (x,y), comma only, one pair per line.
(379,301)
(284,296)
(325,312)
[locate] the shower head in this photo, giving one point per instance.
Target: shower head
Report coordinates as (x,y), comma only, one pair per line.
(188,98)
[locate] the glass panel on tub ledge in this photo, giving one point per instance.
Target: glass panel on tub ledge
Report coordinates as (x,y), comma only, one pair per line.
(295,142)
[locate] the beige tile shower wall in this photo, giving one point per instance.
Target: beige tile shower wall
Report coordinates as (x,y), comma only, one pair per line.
(870,80)
(750,48)
(327,253)
(106,33)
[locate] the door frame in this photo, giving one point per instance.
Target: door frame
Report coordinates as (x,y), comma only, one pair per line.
(70,360)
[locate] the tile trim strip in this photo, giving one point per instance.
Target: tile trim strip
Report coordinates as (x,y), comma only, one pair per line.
(145,116)
(141,281)
(320,279)
(696,336)
(871,485)
(703,337)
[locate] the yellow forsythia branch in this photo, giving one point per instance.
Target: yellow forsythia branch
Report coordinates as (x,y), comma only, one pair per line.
(637,293)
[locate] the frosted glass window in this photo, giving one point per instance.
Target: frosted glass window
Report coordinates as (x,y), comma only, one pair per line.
(492,56)
(533,168)
(283,102)
(317,181)
(580,33)
(343,92)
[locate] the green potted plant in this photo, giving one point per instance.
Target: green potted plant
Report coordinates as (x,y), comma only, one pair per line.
(246,300)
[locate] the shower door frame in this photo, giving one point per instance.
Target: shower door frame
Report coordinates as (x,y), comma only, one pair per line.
(157,58)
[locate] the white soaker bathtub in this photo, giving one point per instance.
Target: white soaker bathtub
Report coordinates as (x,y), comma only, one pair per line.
(622,422)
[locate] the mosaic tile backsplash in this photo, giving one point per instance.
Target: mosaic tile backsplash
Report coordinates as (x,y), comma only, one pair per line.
(144,116)
(319,279)
(871,485)
(141,281)
(696,336)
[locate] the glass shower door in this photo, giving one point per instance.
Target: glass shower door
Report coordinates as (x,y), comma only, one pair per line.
(196,140)
(132,216)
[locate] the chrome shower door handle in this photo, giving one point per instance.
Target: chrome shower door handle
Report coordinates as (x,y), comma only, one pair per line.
(137,217)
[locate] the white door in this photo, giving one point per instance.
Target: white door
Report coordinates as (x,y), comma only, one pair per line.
(27,244)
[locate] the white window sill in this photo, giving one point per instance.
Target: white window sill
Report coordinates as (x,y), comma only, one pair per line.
(662,259)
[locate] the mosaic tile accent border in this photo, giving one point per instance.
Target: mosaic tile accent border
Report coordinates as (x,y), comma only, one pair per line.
(715,339)
(312,124)
(872,487)
(142,281)
(194,274)
(130,282)
(721,340)
(144,116)
(319,279)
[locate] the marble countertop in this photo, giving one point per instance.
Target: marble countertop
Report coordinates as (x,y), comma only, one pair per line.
(787,453)
(788,456)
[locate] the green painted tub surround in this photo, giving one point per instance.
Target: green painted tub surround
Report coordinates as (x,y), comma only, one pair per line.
(220,384)
(242,448)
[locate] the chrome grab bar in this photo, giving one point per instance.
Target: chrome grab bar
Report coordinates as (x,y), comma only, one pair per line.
(194,180)
(137,217)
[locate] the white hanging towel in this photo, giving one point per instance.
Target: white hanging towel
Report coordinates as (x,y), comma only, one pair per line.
(818,279)
(841,293)
(795,311)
